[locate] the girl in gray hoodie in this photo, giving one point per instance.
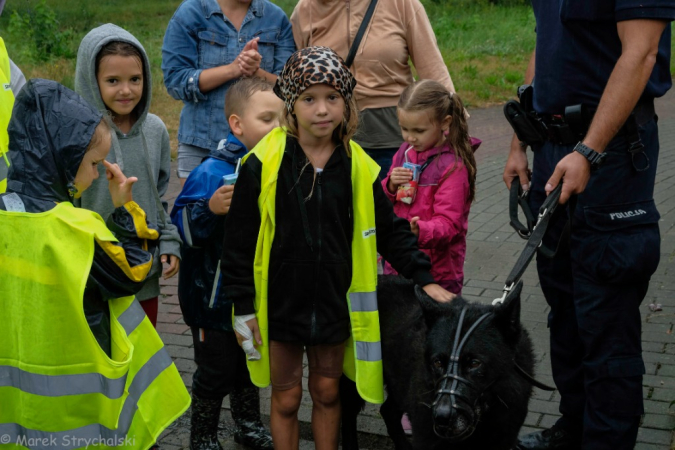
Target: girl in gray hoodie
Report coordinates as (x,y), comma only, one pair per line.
(113,74)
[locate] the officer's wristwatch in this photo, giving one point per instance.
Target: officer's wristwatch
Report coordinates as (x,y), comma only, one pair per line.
(591,155)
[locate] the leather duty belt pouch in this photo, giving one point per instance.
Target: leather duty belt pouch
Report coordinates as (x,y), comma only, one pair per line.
(568,128)
(526,125)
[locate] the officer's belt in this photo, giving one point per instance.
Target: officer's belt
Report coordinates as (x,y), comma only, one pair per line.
(565,131)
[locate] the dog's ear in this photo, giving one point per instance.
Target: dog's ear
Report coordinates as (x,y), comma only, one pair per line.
(507,314)
(432,309)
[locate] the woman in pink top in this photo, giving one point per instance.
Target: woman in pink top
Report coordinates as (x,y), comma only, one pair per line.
(432,180)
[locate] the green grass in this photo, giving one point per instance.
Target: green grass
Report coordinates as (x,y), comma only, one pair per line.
(145,19)
(486,47)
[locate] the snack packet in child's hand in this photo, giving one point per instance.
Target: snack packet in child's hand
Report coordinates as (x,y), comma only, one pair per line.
(406,191)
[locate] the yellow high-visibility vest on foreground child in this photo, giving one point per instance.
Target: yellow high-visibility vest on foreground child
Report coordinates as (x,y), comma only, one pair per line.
(55,381)
(363,355)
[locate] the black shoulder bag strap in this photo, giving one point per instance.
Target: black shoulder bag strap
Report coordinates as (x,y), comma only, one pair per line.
(360,33)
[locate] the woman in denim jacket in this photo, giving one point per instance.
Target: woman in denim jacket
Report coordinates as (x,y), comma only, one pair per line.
(208,45)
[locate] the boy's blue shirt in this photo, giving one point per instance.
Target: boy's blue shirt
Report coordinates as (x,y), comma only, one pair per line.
(199,284)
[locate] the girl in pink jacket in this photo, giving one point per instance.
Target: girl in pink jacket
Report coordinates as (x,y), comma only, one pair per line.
(432,180)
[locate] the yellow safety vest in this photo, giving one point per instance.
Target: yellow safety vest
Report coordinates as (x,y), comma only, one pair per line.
(58,388)
(6,104)
(363,355)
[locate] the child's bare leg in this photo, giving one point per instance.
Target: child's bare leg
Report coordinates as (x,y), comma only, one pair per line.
(325,394)
(284,418)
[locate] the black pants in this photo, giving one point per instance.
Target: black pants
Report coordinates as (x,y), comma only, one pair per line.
(595,286)
(221,364)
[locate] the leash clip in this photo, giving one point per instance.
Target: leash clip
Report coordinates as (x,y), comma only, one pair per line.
(539,217)
(507,289)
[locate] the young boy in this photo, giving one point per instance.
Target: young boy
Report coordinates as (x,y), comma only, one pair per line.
(252,110)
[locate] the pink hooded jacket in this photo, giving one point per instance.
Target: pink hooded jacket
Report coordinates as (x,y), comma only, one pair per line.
(443,208)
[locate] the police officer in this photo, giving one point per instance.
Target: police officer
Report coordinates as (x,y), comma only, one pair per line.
(612,56)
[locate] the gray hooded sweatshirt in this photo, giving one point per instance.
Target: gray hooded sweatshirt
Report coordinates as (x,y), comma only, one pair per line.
(146,144)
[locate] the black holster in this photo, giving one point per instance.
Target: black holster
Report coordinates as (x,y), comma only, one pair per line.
(527,125)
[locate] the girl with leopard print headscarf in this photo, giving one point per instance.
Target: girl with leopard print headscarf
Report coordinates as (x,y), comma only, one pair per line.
(301,239)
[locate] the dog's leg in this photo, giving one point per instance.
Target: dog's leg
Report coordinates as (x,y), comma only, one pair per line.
(391,413)
(352,404)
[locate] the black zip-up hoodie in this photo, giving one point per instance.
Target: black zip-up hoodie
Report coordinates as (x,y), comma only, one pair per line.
(310,261)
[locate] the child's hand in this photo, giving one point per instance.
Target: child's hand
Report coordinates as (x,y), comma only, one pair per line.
(249,59)
(398,176)
(221,200)
(252,325)
(439,294)
(414,227)
(174,265)
(118,184)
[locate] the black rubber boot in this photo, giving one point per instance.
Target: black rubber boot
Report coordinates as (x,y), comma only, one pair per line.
(204,424)
(250,432)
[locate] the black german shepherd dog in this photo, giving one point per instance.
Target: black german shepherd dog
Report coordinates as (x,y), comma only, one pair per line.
(451,367)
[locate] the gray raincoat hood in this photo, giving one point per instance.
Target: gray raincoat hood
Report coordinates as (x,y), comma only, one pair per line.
(85,71)
(49,132)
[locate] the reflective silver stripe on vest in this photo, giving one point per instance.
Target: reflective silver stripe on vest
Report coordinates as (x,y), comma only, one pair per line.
(368,351)
(81,437)
(58,385)
(76,384)
(363,301)
(132,317)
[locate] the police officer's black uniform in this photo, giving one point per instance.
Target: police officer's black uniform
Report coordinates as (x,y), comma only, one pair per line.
(596,284)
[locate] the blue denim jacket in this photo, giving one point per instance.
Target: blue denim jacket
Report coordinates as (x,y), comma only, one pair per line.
(200,37)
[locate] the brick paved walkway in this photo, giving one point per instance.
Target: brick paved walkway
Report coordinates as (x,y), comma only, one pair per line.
(492,251)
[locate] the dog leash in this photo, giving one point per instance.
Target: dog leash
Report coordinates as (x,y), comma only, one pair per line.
(534,232)
(520,371)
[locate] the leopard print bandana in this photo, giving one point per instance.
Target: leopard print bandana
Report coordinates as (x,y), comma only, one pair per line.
(310,66)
